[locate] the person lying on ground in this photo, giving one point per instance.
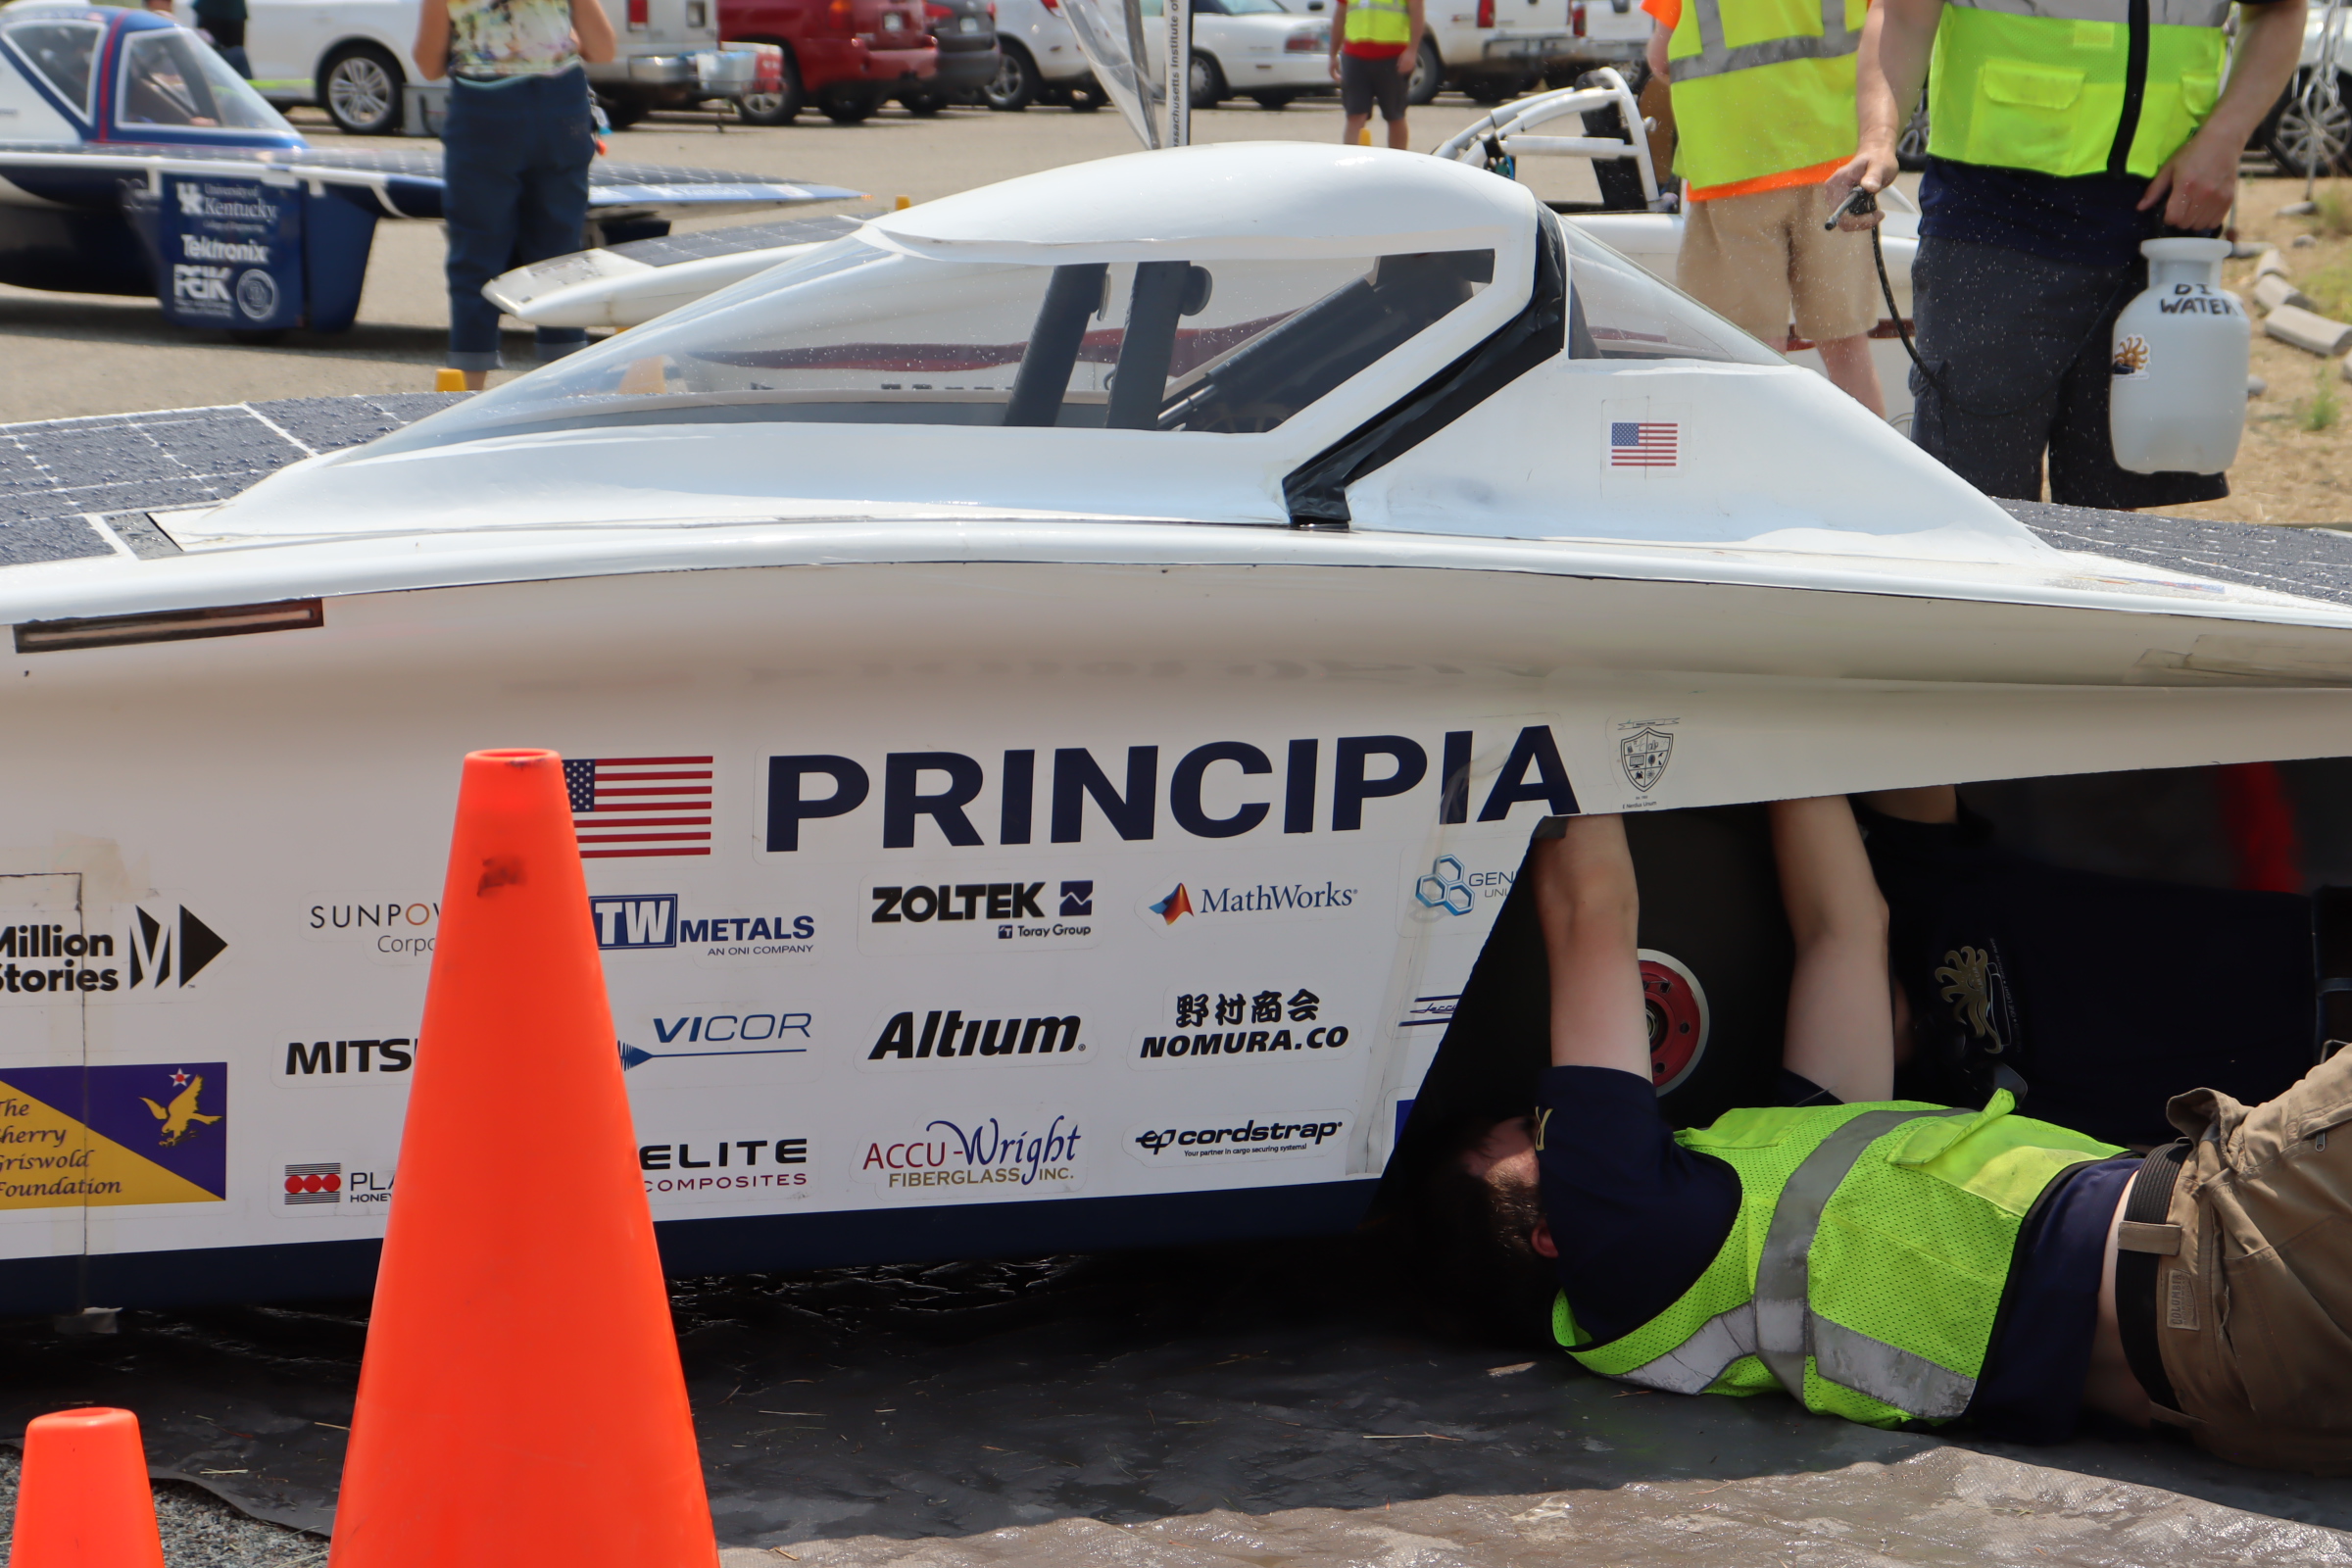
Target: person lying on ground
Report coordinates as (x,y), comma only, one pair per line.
(1899,1263)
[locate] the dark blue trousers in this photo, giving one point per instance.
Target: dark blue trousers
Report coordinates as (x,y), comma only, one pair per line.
(514,161)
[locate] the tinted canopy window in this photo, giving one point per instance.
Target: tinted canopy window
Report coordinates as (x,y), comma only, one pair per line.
(173,79)
(852,333)
(64,53)
(1619,312)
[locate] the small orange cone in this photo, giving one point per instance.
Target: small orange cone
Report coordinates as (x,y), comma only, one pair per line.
(83,1500)
(521,1401)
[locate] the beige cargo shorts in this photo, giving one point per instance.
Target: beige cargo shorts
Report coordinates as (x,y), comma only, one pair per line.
(2254,1314)
(1763,259)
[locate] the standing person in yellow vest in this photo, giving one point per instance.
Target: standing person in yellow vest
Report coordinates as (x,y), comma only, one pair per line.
(1762,97)
(2061,134)
(1892,1262)
(1373,44)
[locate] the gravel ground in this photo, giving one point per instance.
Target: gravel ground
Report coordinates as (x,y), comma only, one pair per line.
(200,1531)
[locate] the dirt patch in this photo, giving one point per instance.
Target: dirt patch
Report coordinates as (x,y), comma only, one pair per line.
(2296,458)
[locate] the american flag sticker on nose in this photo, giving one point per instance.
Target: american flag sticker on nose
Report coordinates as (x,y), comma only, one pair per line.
(1645,443)
(639,806)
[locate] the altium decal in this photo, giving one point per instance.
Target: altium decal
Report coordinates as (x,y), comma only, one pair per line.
(943,1035)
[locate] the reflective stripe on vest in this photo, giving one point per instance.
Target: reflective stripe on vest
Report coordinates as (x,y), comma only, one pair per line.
(1764,106)
(1779,1326)
(1715,57)
(1379,21)
(2160,12)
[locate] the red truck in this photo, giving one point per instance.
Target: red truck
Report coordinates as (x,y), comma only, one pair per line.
(845,56)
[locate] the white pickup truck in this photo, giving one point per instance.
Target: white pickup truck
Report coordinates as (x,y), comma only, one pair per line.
(1498,49)
(351,58)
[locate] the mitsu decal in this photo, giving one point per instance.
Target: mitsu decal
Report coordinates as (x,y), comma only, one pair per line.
(983,1154)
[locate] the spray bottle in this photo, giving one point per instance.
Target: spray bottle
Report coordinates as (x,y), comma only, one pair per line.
(2178,400)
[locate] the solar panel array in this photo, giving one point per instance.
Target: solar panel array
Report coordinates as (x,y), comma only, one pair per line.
(694,247)
(56,474)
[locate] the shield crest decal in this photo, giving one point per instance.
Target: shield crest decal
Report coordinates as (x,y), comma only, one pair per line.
(1644,755)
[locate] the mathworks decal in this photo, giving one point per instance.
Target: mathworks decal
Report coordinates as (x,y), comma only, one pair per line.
(113,1134)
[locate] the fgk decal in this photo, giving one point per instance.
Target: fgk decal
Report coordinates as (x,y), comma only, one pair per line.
(1131,797)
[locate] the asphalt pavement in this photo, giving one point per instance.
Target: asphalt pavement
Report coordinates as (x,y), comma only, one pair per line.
(80,354)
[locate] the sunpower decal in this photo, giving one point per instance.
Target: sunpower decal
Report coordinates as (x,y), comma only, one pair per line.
(1075,794)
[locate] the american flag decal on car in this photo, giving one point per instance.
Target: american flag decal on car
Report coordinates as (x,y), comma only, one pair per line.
(639,805)
(1644,444)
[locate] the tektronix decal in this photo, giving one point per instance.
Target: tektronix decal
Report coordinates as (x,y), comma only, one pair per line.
(1061,796)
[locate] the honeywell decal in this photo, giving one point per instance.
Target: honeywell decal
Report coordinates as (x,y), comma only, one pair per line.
(330,1187)
(391,931)
(1223,790)
(724,1165)
(943,1036)
(1249,1139)
(983,1154)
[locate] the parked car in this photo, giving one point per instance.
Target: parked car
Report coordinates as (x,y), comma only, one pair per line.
(966,34)
(845,56)
(2310,127)
(351,58)
(1246,48)
(1498,49)
(1039,60)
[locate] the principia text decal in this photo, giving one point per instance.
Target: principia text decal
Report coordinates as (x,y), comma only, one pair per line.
(1305,793)
(1273,1137)
(951,1154)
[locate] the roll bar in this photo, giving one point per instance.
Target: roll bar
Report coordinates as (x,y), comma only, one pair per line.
(1505,131)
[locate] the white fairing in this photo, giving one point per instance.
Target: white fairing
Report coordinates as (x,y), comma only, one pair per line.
(893,725)
(1755,438)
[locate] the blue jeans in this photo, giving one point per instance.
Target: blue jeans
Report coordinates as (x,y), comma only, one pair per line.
(515,166)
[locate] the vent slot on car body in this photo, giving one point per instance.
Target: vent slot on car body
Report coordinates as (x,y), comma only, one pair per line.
(167,625)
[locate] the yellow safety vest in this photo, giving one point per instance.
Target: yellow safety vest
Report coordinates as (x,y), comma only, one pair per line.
(1864,1272)
(2073,87)
(1379,21)
(1763,87)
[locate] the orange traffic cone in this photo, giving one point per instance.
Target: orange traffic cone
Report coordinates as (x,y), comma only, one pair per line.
(83,1500)
(521,1398)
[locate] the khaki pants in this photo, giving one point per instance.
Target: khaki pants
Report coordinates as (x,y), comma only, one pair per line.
(2254,1314)
(1763,257)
